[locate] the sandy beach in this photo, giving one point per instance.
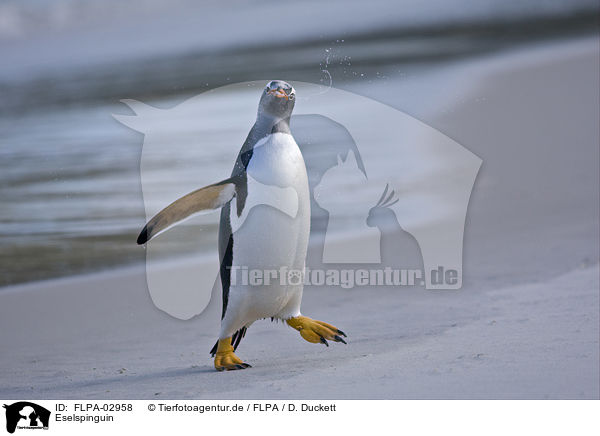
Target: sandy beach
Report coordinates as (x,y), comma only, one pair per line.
(524,325)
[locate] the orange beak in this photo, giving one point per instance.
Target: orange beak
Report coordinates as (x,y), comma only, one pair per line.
(279,93)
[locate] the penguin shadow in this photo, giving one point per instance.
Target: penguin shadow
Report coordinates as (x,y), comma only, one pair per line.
(398,248)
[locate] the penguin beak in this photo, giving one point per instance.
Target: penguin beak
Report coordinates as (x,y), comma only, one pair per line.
(279,93)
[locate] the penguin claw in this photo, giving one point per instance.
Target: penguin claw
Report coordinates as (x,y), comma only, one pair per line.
(225,359)
(338,339)
(233,367)
(316,331)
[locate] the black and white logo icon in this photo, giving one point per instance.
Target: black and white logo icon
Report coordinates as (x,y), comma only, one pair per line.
(26,415)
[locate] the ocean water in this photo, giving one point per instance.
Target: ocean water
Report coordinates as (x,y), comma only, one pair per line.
(71,200)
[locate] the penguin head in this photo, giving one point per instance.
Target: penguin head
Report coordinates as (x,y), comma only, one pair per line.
(277,100)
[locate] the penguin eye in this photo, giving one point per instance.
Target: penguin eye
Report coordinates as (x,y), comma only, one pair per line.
(291,96)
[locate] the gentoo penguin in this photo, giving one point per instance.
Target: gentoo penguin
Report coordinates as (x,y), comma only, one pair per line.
(254,235)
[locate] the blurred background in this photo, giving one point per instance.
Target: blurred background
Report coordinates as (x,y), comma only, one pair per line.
(70,196)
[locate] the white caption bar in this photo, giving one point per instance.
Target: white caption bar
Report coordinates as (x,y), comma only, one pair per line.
(299,416)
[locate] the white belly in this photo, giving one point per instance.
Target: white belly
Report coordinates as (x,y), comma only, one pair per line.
(267,238)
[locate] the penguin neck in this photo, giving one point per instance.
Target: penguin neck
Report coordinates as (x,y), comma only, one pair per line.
(264,126)
(267,124)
